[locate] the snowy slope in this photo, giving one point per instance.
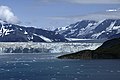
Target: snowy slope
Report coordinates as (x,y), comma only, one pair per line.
(79,28)
(94,26)
(16,33)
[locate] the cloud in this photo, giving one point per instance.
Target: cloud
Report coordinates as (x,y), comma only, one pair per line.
(59,18)
(7,15)
(82,1)
(95,1)
(95,16)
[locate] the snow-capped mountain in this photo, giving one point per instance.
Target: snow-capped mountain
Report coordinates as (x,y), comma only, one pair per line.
(16,33)
(107,27)
(76,30)
(89,29)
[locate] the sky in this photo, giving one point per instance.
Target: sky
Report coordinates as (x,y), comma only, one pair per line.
(50,14)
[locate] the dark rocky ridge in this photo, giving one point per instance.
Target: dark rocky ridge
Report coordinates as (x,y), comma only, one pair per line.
(16,33)
(92,29)
(109,50)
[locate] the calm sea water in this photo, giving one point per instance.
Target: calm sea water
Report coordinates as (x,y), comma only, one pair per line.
(46,67)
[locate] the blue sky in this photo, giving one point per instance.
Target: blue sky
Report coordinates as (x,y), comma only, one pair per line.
(50,13)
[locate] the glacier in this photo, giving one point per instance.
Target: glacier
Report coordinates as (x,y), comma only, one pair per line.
(35,47)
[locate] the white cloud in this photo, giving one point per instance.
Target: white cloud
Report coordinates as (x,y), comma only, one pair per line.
(7,15)
(83,1)
(95,1)
(95,16)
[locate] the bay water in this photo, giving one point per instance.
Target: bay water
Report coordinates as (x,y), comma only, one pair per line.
(45,66)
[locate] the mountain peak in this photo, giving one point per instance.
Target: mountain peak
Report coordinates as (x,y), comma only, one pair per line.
(16,33)
(87,29)
(2,21)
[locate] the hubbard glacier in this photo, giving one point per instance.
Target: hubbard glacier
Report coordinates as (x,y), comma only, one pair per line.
(34,47)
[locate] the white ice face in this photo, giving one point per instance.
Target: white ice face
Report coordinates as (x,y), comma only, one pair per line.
(52,47)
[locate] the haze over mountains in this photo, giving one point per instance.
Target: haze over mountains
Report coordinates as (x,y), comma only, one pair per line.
(94,26)
(15,33)
(104,25)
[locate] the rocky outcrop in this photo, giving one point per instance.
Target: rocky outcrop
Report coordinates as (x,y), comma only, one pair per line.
(109,50)
(86,54)
(17,33)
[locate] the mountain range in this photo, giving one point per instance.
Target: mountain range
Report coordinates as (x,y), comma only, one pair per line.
(16,33)
(104,25)
(101,26)
(90,29)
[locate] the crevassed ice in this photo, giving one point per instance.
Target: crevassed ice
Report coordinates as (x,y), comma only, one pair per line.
(53,47)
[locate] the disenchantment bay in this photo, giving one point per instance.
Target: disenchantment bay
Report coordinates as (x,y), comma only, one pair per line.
(37,61)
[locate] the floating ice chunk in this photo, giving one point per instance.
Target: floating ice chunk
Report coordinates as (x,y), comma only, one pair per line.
(53,78)
(111,71)
(65,66)
(118,71)
(81,65)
